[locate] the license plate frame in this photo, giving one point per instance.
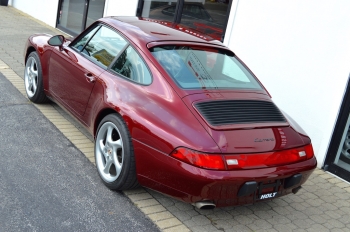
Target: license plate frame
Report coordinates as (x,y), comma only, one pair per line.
(259,195)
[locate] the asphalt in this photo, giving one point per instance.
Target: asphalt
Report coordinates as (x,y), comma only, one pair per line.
(36,190)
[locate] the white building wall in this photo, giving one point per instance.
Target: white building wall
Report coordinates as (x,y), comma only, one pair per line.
(120,8)
(300,50)
(44,10)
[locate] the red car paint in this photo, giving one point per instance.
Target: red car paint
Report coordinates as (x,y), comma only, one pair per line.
(161,116)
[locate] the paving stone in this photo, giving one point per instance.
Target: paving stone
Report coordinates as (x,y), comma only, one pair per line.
(317,228)
(284,227)
(140,196)
(261,206)
(343,196)
(345,219)
(315,202)
(166,202)
(345,209)
(206,228)
(259,224)
(335,223)
(241,210)
(192,212)
(167,223)
(334,180)
(312,211)
(347,189)
(240,228)
(178,228)
(153,209)
(197,221)
(296,215)
(341,203)
(146,203)
(266,214)
(182,216)
(224,224)
(338,229)
(303,223)
(266,230)
(183,206)
(327,206)
(160,216)
(246,219)
(219,215)
(334,214)
(318,219)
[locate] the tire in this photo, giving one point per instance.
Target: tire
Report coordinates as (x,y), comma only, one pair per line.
(33,81)
(114,154)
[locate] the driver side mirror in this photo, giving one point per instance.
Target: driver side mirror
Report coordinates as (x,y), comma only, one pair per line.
(57,40)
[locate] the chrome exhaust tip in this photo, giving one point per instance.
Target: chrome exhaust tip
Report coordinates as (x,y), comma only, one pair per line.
(204,205)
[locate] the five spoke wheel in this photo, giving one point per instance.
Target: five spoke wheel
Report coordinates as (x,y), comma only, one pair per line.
(109,152)
(31,77)
(33,80)
(114,154)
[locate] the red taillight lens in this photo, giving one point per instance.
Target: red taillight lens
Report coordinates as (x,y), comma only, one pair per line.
(243,161)
(269,159)
(309,151)
(209,161)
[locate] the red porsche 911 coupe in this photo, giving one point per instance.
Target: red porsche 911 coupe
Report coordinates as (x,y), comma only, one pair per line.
(172,110)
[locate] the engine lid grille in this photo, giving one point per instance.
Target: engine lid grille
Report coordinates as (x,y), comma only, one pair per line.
(226,112)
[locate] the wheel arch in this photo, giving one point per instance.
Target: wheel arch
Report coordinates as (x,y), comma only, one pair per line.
(29,50)
(103,113)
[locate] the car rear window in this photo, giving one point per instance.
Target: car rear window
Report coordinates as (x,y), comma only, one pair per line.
(194,67)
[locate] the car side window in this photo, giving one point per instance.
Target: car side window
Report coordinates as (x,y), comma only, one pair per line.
(104,46)
(82,42)
(130,65)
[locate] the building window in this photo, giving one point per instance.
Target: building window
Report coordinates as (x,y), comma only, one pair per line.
(76,15)
(206,16)
(338,155)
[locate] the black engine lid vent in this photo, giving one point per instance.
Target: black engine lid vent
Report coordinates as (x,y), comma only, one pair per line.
(225,112)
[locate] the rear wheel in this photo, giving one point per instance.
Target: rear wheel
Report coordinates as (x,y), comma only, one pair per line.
(114,154)
(33,81)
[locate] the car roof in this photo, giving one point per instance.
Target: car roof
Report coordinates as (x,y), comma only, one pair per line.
(144,30)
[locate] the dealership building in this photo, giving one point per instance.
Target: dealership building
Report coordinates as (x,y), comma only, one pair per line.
(299,50)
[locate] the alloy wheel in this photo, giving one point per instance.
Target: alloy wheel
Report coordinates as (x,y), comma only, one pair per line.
(109,152)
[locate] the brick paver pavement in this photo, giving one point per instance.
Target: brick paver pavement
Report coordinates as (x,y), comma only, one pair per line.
(323,204)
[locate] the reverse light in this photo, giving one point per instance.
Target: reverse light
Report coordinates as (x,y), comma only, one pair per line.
(203,160)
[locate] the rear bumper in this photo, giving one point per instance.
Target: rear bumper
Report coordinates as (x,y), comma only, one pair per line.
(163,173)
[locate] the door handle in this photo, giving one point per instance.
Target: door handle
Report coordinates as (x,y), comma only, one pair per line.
(90,78)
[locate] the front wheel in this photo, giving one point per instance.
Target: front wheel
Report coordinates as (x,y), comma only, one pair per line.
(33,81)
(114,154)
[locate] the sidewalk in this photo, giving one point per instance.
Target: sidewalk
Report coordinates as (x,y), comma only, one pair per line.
(323,204)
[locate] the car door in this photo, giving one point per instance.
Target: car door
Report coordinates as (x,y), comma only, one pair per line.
(74,69)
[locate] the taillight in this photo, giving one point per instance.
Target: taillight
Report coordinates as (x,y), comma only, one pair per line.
(243,161)
(203,160)
(269,159)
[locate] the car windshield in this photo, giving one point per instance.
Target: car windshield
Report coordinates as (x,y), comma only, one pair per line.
(194,67)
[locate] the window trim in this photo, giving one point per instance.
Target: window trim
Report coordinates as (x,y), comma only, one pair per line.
(109,67)
(110,70)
